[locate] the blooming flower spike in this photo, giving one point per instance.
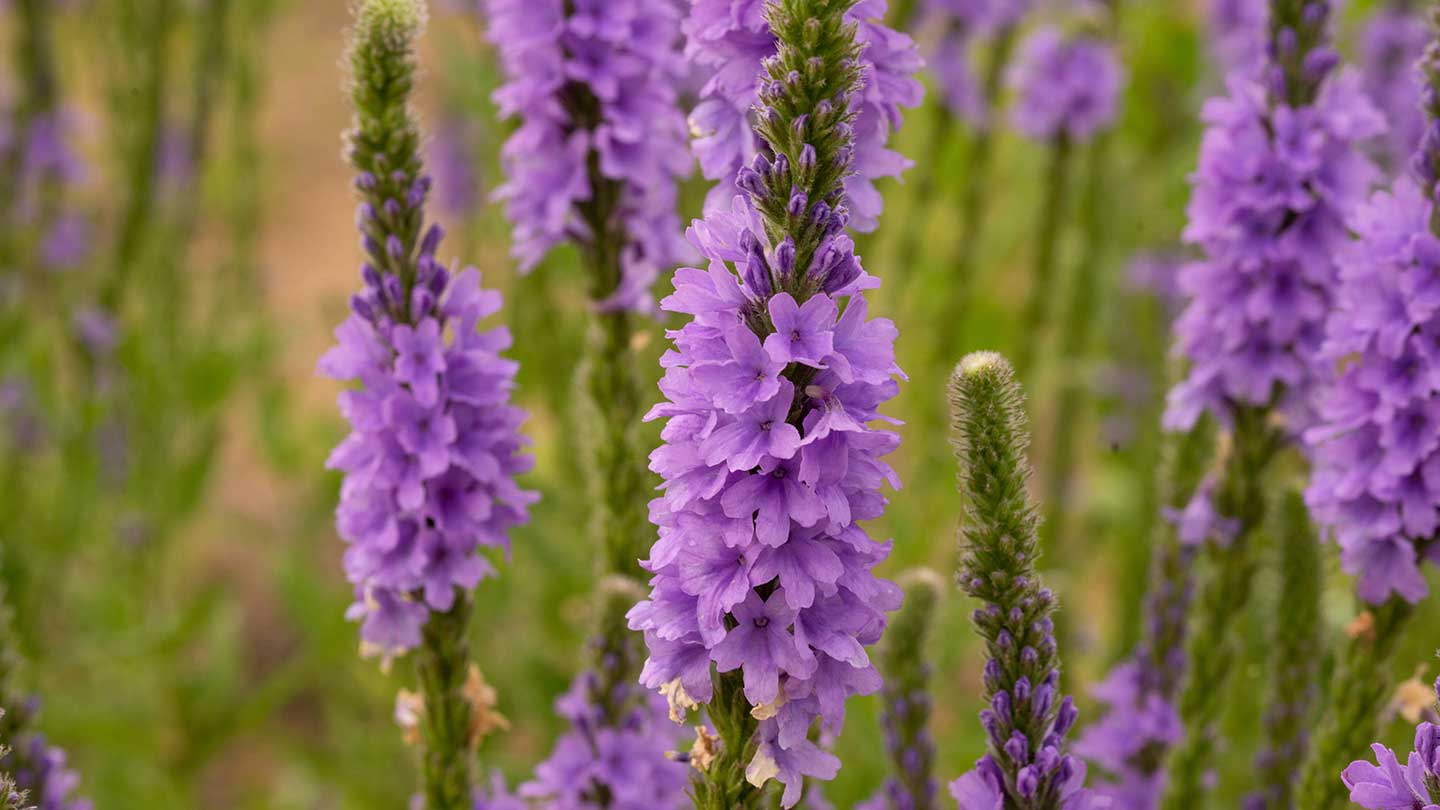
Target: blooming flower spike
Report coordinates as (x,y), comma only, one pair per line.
(434,448)
(762,571)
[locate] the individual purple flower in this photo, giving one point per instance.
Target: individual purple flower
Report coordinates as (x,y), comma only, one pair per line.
(1199,522)
(731,39)
(1392,43)
(1271,196)
(1375,446)
(1388,785)
(1066,86)
(594,85)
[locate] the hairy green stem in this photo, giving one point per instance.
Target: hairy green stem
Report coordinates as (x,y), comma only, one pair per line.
(1213,651)
(722,785)
(441,664)
(1352,711)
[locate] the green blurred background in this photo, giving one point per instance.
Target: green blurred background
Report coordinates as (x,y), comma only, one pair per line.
(182,617)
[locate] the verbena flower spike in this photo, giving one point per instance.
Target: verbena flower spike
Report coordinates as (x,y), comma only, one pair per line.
(1280,169)
(1389,784)
(1373,445)
(769,462)
(434,448)
(1027,718)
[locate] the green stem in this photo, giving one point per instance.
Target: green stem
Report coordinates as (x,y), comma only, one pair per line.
(1352,713)
(1213,651)
(139,96)
(978,157)
(1075,330)
(1047,243)
(722,785)
(441,664)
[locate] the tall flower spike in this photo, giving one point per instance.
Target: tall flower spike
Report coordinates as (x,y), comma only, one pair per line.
(434,446)
(906,710)
(601,144)
(1027,718)
(1280,170)
(1373,448)
(733,39)
(1389,785)
(1296,653)
(1130,742)
(769,459)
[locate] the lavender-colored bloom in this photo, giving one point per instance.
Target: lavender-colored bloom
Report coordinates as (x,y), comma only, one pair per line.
(765,530)
(1199,522)
(1128,742)
(731,39)
(594,80)
(1376,444)
(1389,785)
(1066,86)
(1271,196)
(434,445)
(959,88)
(48,165)
(43,771)
(1392,43)
(618,764)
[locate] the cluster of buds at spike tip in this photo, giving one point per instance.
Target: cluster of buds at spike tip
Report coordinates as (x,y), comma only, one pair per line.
(1301,55)
(806,122)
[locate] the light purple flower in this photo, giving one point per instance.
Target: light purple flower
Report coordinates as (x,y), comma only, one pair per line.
(761,524)
(593,79)
(1389,785)
(1237,34)
(1375,481)
(43,771)
(1269,206)
(730,38)
(434,446)
(1066,86)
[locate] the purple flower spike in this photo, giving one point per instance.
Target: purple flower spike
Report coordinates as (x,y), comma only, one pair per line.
(594,82)
(1067,86)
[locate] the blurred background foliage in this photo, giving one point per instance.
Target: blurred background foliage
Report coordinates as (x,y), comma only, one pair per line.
(165,530)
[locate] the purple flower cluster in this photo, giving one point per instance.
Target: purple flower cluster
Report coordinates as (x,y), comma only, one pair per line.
(42,150)
(731,39)
(1130,740)
(44,773)
(1388,785)
(594,82)
(619,764)
(1066,86)
(1268,209)
(1376,444)
(452,156)
(434,445)
(769,464)
(1392,43)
